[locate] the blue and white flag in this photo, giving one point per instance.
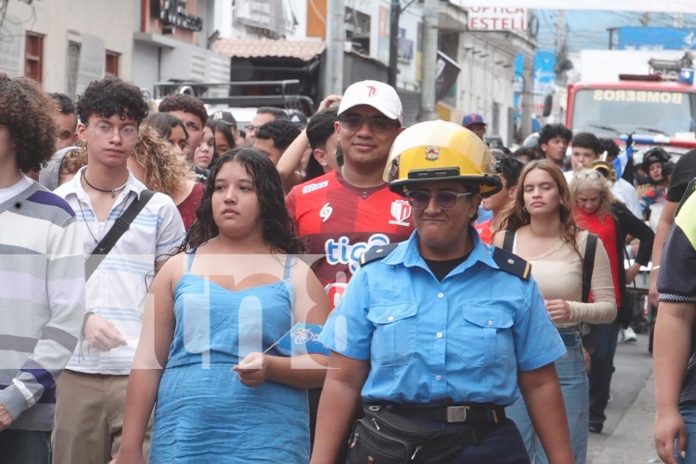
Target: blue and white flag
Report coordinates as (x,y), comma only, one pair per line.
(621,160)
(302,338)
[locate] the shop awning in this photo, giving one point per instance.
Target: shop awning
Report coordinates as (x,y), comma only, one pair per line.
(305,50)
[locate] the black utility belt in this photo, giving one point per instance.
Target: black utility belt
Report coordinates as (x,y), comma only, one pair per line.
(473,413)
(432,434)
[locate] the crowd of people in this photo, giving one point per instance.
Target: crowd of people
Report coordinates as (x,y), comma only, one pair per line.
(175,288)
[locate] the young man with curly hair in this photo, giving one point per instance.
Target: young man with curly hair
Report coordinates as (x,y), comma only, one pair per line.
(41,277)
(193,114)
(91,392)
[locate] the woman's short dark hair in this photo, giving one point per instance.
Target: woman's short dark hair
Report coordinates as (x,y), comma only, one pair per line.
(28,114)
(112,96)
(163,123)
(276,227)
(225,129)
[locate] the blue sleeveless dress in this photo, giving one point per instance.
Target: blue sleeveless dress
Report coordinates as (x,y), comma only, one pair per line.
(204,414)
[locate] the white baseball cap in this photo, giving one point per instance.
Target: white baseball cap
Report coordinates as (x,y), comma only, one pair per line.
(378,95)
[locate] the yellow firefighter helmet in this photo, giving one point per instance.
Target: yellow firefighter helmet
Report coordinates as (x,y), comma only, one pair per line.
(439,150)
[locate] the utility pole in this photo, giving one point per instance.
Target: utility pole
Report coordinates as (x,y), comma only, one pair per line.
(395,13)
(335,45)
(561,48)
(431,15)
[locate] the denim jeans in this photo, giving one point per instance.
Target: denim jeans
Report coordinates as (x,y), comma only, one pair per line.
(688,412)
(605,336)
(490,450)
(25,447)
(575,389)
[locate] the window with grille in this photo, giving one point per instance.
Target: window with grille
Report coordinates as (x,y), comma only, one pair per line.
(111,68)
(33,56)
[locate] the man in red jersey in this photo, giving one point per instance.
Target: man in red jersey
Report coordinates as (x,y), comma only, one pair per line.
(350,209)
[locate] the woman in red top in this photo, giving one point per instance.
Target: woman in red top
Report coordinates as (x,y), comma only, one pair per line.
(596,211)
(157,165)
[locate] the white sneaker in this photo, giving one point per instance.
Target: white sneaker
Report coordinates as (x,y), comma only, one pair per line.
(629,335)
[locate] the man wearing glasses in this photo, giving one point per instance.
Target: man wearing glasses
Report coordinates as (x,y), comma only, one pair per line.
(91,392)
(348,210)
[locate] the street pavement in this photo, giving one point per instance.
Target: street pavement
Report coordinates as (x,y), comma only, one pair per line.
(628,432)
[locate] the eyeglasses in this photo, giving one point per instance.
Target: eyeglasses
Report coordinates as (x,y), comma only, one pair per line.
(127,133)
(444,199)
(353,122)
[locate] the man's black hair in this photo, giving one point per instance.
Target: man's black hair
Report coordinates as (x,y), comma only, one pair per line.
(589,141)
(276,112)
(610,147)
(321,127)
(64,103)
(510,168)
(281,131)
(185,103)
(550,131)
(112,96)
(530,153)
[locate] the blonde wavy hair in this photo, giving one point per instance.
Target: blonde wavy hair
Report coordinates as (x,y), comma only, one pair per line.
(591,179)
(164,171)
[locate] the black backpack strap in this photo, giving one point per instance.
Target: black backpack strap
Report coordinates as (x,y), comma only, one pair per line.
(121,225)
(588,266)
(508,240)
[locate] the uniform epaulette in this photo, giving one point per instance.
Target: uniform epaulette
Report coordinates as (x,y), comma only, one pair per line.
(510,262)
(376,253)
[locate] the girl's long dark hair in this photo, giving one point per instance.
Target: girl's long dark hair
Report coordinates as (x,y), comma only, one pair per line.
(276,227)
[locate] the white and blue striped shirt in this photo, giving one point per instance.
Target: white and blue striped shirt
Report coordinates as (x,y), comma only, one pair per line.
(116,291)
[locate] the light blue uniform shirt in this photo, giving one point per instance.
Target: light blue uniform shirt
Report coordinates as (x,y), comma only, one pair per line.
(462,339)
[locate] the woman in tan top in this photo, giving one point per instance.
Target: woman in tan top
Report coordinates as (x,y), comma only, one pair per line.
(547,237)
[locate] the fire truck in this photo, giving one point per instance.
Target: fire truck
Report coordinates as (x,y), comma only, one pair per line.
(659,108)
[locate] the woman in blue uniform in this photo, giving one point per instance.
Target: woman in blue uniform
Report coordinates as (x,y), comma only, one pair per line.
(433,334)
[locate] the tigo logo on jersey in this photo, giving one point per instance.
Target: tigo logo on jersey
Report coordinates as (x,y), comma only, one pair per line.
(342,252)
(400,211)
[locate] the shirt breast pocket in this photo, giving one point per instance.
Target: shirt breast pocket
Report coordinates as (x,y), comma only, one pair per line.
(393,340)
(486,336)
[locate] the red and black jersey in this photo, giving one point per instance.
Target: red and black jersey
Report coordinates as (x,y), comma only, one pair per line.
(340,221)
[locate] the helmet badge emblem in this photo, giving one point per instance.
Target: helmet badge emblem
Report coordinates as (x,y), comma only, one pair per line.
(432,153)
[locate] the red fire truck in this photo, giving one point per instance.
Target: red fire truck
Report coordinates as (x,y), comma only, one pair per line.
(658,112)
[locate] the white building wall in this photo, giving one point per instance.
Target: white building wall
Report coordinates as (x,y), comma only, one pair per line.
(486,79)
(112,21)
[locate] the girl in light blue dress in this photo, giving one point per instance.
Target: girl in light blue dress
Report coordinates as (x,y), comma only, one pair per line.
(228,392)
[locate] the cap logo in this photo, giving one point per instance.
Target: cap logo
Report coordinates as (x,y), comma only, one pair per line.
(371,90)
(432,153)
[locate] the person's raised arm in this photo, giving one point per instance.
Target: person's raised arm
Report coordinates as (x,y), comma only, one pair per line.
(150,359)
(291,157)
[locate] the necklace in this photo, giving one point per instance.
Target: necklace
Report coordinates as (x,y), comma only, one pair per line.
(84,218)
(113,192)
